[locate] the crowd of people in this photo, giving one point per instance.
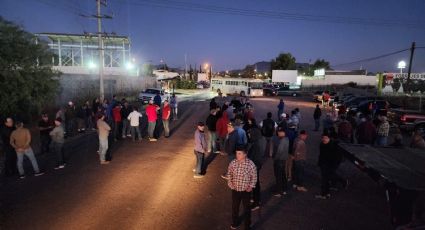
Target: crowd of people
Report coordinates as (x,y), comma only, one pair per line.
(113,120)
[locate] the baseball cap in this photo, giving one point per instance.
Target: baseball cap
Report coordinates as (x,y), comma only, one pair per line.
(201,123)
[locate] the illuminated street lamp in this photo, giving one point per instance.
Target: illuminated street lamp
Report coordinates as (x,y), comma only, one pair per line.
(129,65)
(92,65)
(401,66)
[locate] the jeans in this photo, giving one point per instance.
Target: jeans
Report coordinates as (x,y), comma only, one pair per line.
(199,162)
(256,192)
(125,128)
(381,140)
(44,143)
(136,130)
(280,175)
(299,167)
(58,149)
(237,198)
(316,124)
(103,147)
(212,141)
(174,111)
(166,124)
(151,129)
(30,154)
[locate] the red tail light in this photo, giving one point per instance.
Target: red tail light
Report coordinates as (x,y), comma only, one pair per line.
(403,118)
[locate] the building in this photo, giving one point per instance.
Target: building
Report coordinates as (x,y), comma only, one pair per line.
(77,58)
(324,77)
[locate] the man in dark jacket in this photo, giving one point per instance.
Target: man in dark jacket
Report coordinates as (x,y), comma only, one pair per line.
(9,151)
(317,114)
(212,127)
(230,144)
(329,160)
(344,130)
(366,132)
(268,127)
(257,146)
(280,145)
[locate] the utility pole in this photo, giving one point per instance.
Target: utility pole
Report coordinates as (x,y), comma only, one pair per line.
(412,51)
(101,50)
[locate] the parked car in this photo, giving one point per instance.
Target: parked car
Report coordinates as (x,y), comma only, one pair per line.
(150,93)
(317,96)
(363,107)
(288,92)
(407,119)
(269,92)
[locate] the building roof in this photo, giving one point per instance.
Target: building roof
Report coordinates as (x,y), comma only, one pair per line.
(342,72)
(86,38)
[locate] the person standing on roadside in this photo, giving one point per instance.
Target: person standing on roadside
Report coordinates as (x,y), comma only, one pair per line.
(230,144)
(292,135)
(103,128)
(116,114)
(268,127)
(383,131)
(152,114)
(157,100)
(173,105)
(70,119)
(317,115)
(280,155)
(221,129)
(166,112)
(200,149)
(366,131)
(125,111)
(257,146)
(9,151)
(89,116)
(134,118)
(212,127)
(242,180)
(280,109)
(20,140)
(58,140)
(300,153)
(44,126)
(344,130)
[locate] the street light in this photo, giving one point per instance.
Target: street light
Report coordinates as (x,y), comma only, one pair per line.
(401,66)
(129,65)
(92,65)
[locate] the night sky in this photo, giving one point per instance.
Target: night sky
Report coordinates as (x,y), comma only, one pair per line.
(229,40)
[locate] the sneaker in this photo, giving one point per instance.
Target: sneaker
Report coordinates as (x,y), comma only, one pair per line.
(225,176)
(277,194)
(152,139)
(22,177)
(285,193)
(233,226)
(333,189)
(252,201)
(128,135)
(302,189)
(217,152)
(256,207)
(60,167)
(104,162)
(39,174)
(323,197)
(198,176)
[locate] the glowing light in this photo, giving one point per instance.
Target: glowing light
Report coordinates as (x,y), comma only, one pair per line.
(92,65)
(129,65)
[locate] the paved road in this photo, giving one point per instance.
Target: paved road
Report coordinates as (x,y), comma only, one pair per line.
(150,186)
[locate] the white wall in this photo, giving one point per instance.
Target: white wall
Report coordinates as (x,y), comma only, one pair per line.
(340,80)
(287,76)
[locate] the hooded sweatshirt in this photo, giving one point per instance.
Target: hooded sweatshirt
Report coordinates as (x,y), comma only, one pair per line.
(221,125)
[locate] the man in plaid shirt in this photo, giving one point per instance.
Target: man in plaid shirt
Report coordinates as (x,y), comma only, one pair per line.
(242,179)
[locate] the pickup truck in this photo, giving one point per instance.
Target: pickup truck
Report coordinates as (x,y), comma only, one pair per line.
(407,119)
(150,93)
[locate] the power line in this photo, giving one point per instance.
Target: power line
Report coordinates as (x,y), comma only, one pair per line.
(196,7)
(372,58)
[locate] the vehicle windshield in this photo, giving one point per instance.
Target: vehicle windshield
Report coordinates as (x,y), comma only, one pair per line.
(255,85)
(152,91)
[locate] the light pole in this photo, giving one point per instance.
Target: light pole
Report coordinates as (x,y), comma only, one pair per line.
(401,66)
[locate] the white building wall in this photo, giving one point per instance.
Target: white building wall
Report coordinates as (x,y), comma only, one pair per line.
(339,80)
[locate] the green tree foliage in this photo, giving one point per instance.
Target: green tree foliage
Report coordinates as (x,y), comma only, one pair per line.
(285,61)
(248,72)
(27,80)
(318,64)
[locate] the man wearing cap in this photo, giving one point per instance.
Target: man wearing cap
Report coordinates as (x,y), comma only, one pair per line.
(57,135)
(20,139)
(280,145)
(103,129)
(201,148)
(151,112)
(44,126)
(242,179)
(211,124)
(300,153)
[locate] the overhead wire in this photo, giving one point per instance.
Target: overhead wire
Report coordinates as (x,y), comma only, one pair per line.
(372,58)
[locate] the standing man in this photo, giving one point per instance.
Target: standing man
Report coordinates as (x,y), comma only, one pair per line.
(242,180)
(200,149)
(125,111)
(166,112)
(230,145)
(256,151)
(151,112)
(57,135)
(116,113)
(366,131)
(9,151)
(383,130)
(134,118)
(300,153)
(344,130)
(280,109)
(70,119)
(268,127)
(45,126)
(212,127)
(157,100)
(280,155)
(20,139)
(173,105)
(221,129)
(103,128)
(316,115)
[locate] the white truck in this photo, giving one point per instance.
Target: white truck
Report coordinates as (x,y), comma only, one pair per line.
(150,93)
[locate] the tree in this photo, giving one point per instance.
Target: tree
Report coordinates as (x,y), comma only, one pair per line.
(27,81)
(285,61)
(248,72)
(318,64)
